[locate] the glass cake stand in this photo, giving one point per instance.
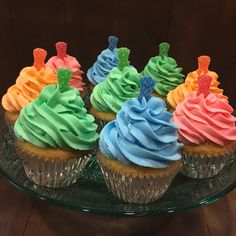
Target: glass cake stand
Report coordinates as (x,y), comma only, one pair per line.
(90,194)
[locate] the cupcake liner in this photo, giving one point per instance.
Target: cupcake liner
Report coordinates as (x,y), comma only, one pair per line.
(52,173)
(136,189)
(195,166)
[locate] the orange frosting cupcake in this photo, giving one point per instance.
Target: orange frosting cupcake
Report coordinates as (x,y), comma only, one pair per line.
(29,83)
(178,94)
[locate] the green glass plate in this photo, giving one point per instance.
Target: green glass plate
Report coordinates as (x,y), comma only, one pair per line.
(90,194)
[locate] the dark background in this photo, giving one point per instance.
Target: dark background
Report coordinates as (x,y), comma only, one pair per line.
(192,28)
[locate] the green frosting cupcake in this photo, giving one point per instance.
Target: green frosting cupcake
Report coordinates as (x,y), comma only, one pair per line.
(121,84)
(163,69)
(57,118)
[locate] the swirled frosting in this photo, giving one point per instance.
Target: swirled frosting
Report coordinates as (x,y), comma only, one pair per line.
(57,119)
(164,70)
(203,120)
(177,95)
(106,61)
(142,134)
(28,86)
(70,62)
(120,85)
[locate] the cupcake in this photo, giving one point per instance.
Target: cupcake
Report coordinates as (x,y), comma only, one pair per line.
(164,70)
(139,153)
(29,83)
(121,84)
(63,60)
(106,61)
(55,135)
(178,95)
(207,129)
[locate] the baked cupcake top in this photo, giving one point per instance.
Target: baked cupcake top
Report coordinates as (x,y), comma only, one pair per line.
(164,70)
(205,117)
(106,61)
(177,95)
(143,133)
(63,60)
(121,84)
(29,83)
(57,118)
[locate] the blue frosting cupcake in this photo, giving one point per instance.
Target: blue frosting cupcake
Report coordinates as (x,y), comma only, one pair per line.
(106,61)
(139,150)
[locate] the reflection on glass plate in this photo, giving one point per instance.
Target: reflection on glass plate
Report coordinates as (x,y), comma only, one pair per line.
(90,194)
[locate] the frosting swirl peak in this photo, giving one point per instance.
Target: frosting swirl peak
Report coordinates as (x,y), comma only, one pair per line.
(163,69)
(63,60)
(177,95)
(121,84)
(106,61)
(57,118)
(142,134)
(29,83)
(205,119)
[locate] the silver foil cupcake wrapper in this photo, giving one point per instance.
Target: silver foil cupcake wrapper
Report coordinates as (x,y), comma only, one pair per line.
(53,173)
(204,166)
(135,189)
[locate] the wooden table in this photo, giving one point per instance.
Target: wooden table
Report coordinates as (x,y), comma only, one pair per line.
(22,215)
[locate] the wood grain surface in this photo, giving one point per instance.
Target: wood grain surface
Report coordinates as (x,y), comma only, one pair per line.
(21,215)
(191,27)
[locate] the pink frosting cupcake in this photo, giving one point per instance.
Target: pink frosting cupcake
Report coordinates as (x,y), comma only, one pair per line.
(63,60)
(207,129)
